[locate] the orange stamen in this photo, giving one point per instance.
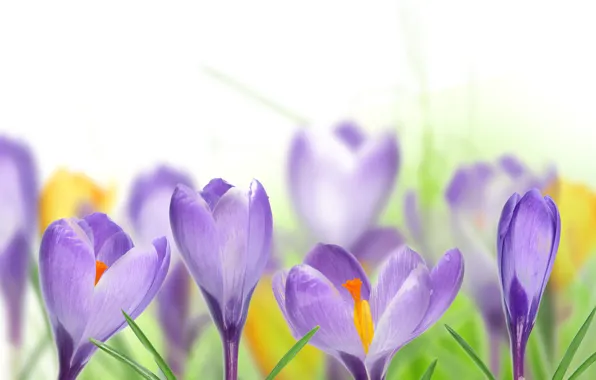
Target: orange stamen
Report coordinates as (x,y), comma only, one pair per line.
(100,268)
(362,316)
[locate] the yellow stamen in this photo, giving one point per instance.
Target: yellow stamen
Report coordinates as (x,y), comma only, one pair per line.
(100,268)
(362,316)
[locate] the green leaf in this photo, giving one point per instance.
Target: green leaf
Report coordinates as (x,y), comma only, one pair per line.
(147,344)
(115,354)
(585,365)
(429,372)
(573,347)
(291,354)
(470,351)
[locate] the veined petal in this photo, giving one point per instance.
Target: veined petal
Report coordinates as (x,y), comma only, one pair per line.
(214,190)
(446,279)
(376,244)
(338,266)
(392,275)
(402,315)
(528,248)
(103,228)
(260,231)
(122,287)
(196,237)
(311,300)
(67,276)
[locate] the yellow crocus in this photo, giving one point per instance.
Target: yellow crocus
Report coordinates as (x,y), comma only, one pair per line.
(268,337)
(577,206)
(69,194)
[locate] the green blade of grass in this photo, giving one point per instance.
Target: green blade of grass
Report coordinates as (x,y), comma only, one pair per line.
(428,374)
(291,354)
(147,344)
(144,372)
(470,351)
(573,347)
(583,367)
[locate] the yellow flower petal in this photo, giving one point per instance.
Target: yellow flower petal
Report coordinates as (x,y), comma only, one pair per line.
(577,206)
(67,194)
(268,337)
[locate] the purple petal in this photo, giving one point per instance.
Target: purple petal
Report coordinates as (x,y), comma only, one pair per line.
(392,275)
(467,184)
(14,262)
(376,244)
(162,247)
(311,300)
(122,287)
(214,190)
(446,279)
(505,221)
(114,247)
(529,246)
(18,168)
(401,316)
(195,234)
(67,276)
(278,285)
(260,232)
(104,229)
(338,266)
(339,193)
(173,305)
(162,179)
(350,134)
(512,165)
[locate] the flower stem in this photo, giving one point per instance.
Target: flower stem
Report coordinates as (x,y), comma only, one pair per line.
(231,358)
(518,361)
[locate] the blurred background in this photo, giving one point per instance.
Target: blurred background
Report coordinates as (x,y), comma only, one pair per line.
(113,88)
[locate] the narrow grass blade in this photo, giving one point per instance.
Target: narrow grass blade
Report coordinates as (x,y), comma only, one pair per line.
(585,365)
(470,351)
(291,354)
(144,372)
(573,347)
(147,344)
(429,372)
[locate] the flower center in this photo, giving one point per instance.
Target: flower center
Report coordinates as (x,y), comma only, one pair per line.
(362,316)
(100,268)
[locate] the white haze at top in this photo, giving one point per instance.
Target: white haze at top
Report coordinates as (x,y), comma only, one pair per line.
(112,87)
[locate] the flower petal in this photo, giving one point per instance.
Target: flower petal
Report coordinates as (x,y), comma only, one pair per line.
(260,232)
(214,190)
(311,300)
(195,234)
(67,276)
(376,244)
(173,306)
(104,228)
(122,287)
(401,316)
(338,266)
(392,275)
(350,134)
(162,179)
(446,279)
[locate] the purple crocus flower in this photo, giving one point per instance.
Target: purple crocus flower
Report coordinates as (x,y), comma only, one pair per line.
(340,182)
(474,196)
(149,212)
(224,236)
(527,243)
(18,209)
(89,272)
(361,325)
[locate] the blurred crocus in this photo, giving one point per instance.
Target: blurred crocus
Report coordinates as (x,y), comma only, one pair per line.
(474,196)
(528,239)
(18,209)
(577,205)
(360,325)
(69,194)
(340,182)
(224,236)
(149,211)
(89,272)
